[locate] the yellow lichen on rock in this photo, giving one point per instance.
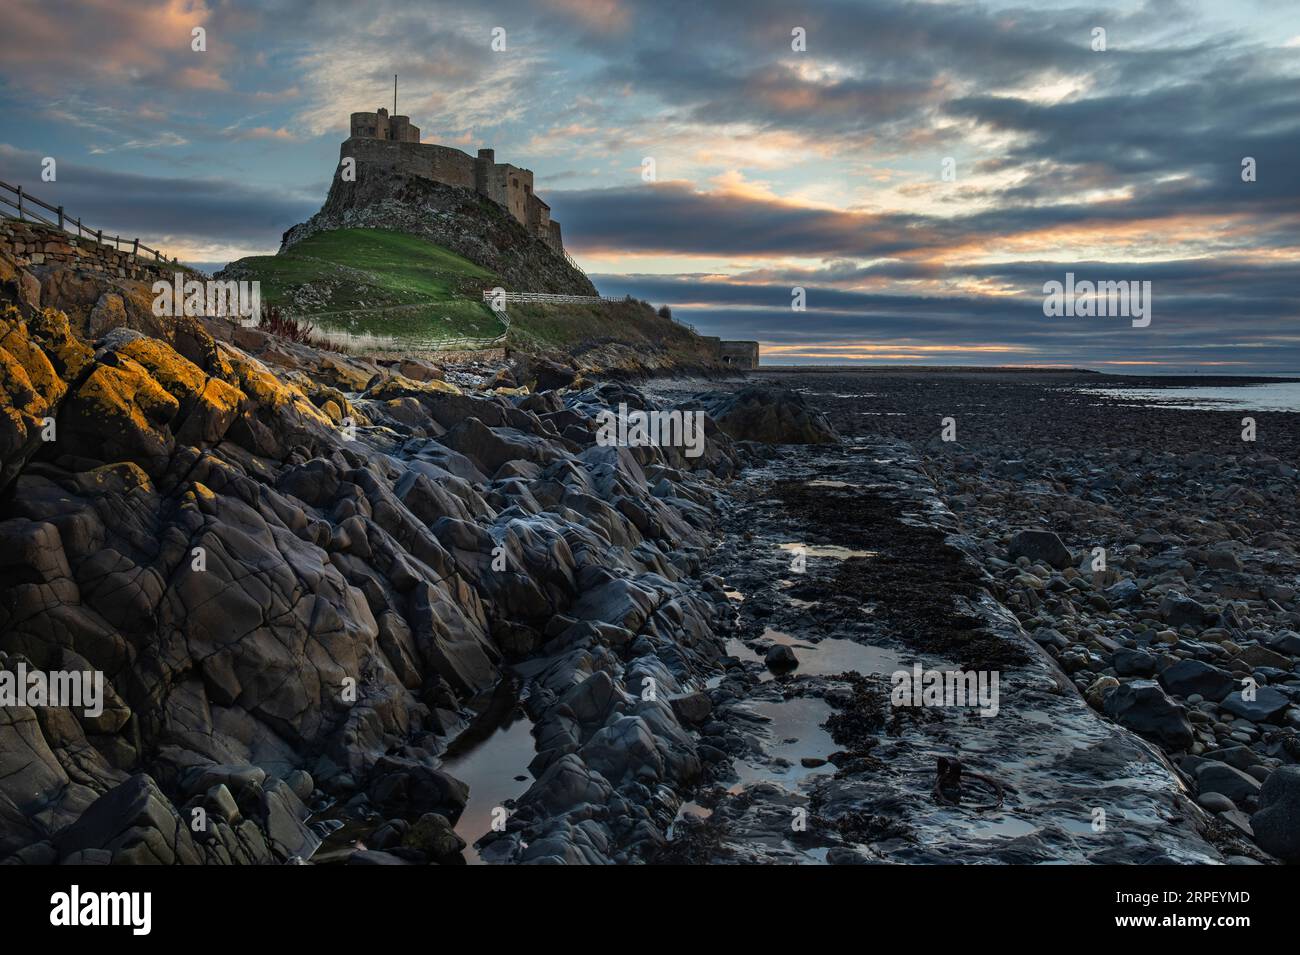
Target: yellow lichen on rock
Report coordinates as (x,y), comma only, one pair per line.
(69,355)
(202,497)
(266,390)
(443,386)
(36,371)
(120,413)
(30,390)
(399,386)
(118,476)
(181,378)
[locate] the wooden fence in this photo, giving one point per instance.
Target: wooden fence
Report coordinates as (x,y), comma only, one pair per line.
(546,298)
(27,205)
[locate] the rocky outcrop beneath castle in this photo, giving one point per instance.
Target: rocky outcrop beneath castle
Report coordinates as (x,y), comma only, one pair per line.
(457,218)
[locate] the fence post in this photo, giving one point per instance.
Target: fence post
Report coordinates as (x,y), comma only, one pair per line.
(135,249)
(20,203)
(99,236)
(60,217)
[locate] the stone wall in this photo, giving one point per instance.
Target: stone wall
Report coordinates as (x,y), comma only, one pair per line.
(34,246)
(439,163)
(739,354)
(511,187)
(733,354)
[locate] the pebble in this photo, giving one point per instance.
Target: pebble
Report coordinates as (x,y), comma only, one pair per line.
(1216,802)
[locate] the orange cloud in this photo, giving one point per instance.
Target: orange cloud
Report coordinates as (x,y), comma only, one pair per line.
(265,132)
(54,47)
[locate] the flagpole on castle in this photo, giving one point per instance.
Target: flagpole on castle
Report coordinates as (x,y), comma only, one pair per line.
(394,94)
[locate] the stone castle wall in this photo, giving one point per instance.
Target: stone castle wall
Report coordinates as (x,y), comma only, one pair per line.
(511,187)
(440,163)
(393,143)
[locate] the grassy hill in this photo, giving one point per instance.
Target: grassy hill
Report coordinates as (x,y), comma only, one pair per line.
(573,326)
(383,290)
(403,290)
(609,337)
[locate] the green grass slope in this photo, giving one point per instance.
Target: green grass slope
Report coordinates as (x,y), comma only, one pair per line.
(376,287)
(627,333)
(383,290)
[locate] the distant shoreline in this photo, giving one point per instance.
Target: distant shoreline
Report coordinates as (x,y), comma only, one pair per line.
(1200,379)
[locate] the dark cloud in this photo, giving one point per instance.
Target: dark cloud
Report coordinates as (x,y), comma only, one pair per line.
(204,211)
(675,218)
(1240,311)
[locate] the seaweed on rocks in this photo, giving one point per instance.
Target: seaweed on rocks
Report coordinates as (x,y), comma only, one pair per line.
(862,712)
(864,827)
(912,579)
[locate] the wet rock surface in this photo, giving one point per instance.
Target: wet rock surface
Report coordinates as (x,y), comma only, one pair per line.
(1172,608)
(300,596)
(817,765)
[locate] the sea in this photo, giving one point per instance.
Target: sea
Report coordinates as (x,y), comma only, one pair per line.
(1268,396)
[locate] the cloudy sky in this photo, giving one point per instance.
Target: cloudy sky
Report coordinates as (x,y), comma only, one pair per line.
(775,168)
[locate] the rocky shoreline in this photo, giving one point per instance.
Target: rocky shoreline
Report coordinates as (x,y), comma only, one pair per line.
(364,612)
(1198,588)
(306,578)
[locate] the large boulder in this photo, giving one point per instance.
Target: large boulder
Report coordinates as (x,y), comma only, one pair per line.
(120,413)
(566,784)
(207,405)
(625,750)
(1268,704)
(1040,546)
(1133,662)
(39,358)
(769,415)
(1187,677)
(30,392)
(409,787)
(545,375)
(136,824)
(490,448)
(1178,610)
(1213,776)
(1277,821)
(1143,707)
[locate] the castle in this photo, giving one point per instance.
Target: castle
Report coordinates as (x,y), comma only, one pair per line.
(393,142)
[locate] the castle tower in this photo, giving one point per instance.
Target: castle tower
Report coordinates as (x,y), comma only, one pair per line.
(379,125)
(487,158)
